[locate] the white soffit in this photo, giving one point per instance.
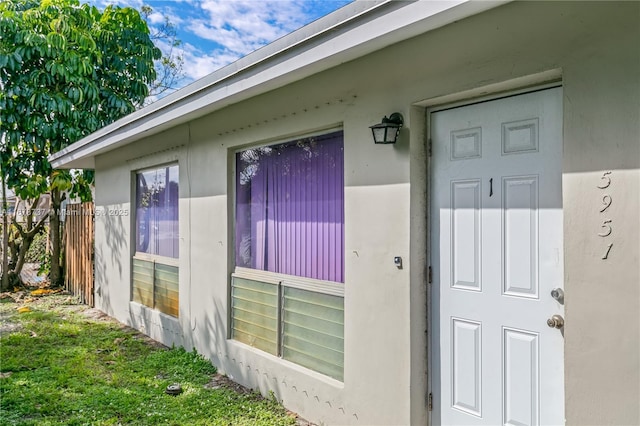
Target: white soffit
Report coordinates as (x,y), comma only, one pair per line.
(353,31)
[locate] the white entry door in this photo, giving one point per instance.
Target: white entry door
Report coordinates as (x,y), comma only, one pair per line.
(496,226)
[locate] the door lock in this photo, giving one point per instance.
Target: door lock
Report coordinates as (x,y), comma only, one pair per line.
(556,321)
(558,294)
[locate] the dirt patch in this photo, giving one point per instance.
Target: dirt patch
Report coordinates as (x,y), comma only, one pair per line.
(221,381)
(7,327)
(96,314)
(13,303)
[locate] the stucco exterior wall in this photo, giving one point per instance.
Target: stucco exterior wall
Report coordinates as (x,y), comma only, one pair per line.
(595,48)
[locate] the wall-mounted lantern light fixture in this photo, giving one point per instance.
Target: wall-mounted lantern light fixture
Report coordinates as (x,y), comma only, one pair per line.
(388,130)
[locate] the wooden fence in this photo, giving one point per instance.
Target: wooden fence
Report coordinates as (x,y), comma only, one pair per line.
(78,230)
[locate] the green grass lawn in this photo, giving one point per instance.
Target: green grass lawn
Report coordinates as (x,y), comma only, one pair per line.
(60,366)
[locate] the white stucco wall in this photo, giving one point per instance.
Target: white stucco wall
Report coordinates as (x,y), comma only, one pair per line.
(595,48)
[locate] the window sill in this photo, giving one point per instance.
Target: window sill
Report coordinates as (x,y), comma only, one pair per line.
(318,286)
(170,261)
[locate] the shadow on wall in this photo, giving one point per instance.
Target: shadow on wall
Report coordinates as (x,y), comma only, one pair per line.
(160,327)
(109,258)
(214,336)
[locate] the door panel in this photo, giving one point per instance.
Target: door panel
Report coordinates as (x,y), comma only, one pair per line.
(496,229)
(520,377)
(465,235)
(520,230)
(466,374)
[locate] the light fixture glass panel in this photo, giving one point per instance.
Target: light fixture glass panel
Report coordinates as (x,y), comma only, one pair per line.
(392,134)
(379,134)
(389,134)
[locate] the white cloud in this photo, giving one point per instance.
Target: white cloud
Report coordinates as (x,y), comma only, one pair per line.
(199,64)
(242,26)
(155,18)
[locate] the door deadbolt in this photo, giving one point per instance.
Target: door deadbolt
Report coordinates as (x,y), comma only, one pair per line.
(558,294)
(556,321)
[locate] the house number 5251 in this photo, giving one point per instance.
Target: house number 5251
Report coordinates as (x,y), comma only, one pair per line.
(606,229)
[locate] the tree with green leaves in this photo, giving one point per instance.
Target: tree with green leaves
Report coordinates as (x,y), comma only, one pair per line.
(66,70)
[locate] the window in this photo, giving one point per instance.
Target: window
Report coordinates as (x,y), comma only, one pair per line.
(287,293)
(157,212)
(155,266)
(290,208)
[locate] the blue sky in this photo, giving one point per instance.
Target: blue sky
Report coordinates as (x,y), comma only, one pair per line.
(217,32)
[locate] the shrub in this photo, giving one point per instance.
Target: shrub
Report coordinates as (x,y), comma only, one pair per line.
(38,250)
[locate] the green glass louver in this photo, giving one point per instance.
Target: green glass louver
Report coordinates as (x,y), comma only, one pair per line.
(254,308)
(302,326)
(156,285)
(313,331)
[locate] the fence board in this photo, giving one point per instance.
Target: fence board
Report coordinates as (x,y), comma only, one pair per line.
(79,251)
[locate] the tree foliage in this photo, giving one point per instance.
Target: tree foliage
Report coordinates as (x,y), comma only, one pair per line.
(66,70)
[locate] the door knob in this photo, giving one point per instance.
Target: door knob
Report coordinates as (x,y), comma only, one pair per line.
(556,321)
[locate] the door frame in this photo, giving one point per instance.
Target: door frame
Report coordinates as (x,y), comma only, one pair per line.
(510,88)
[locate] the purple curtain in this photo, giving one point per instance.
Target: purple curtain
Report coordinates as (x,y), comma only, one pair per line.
(157,211)
(290,208)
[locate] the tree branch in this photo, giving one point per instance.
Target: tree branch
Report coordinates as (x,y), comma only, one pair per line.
(32,232)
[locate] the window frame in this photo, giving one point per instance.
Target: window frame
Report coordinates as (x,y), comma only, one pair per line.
(282,281)
(151,258)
